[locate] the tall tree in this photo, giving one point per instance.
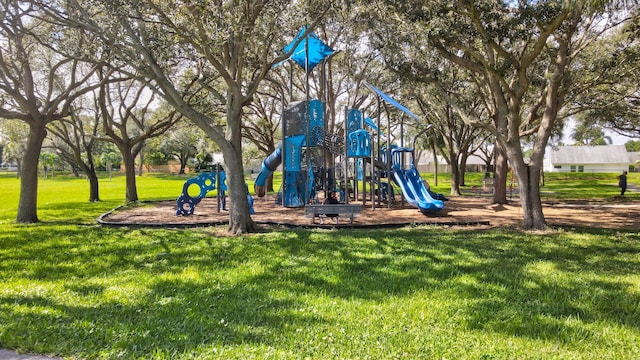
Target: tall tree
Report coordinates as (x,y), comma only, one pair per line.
(75,138)
(181,143)
(37,84)
(48,161)
(128,121)
(632,145)
(587,134)
(459,138)
(518,55)
(230,44)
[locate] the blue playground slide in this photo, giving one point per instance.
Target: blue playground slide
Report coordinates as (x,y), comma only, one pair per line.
(269,165)
(415,191)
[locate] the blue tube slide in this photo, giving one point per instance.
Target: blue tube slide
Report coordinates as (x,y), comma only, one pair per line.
(269,165)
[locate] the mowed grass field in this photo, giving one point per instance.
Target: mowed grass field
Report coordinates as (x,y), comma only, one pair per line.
(74,289)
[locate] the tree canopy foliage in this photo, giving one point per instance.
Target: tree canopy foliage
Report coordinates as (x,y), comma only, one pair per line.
(509,72)
(519,58)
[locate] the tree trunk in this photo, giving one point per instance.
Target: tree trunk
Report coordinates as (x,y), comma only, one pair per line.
(529,179)
(90,171)
(94,188)
(141,167)
(455,169)
(269,184)
(28,205)
(455,179)
(462,172)
(130,175)
(435,163)
(183,164)
(94,192)
(500,177)
(239,217)
(231,145)
(529,175)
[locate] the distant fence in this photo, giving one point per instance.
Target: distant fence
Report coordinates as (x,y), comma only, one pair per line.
(595,171)
(164,169)
(446,168)
(431,168)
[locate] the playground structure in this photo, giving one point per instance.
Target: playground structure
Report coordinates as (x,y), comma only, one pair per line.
(314,159)
(362,174)
(357,162)
(204,183)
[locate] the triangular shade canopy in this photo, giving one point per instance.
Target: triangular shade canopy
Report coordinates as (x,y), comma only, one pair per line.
(317,50)
(388,99)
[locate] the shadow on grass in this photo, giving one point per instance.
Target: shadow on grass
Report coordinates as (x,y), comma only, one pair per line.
(113,292)
(174,317)
(542,287)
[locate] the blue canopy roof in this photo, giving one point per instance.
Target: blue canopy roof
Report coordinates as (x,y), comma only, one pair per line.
(388,99)
(317,50)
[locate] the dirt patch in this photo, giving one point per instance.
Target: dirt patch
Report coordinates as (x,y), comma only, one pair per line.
(459,211)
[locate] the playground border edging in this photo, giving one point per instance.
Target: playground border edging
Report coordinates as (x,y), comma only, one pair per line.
(100,220)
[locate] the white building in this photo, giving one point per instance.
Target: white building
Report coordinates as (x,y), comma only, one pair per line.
(601,159)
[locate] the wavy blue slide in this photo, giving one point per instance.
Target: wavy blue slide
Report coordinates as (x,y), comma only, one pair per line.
(415,191)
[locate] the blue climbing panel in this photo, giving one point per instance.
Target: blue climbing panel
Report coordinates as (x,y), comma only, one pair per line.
(206,182)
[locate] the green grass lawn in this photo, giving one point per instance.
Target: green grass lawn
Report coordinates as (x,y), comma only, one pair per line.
(596,187)
(74,289)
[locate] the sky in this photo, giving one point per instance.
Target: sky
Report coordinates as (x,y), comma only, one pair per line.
(616,139)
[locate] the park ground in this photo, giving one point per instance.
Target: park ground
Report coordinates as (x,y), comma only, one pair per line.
(476,211)
(79,290)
